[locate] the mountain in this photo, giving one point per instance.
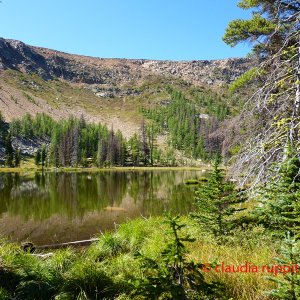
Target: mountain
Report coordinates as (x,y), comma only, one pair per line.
(112,91)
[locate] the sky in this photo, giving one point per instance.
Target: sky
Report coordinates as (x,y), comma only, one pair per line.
(149,29)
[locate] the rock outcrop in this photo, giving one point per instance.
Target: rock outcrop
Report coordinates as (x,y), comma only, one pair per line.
(51,64)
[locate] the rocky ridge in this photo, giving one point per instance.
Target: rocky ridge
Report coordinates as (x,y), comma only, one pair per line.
(51,64)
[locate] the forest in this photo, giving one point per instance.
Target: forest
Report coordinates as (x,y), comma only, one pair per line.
(188,129)
(74,142)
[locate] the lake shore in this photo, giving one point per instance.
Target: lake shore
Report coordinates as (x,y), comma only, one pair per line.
(110,268)
(95,169)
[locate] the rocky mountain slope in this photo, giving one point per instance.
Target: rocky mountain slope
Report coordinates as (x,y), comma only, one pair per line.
(111,91)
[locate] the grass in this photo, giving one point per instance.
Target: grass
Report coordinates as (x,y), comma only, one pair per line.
(58,93)
(108,269)
(27,163)
(29,166)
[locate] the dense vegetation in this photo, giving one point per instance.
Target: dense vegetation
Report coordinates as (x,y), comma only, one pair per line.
(139,262)
(74,142)
(189,125)
(188,129)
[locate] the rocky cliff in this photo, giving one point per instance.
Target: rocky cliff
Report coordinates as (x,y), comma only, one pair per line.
(51,64)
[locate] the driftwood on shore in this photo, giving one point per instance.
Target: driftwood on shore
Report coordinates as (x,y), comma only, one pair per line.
(68,244)
(29,247)
(43,256)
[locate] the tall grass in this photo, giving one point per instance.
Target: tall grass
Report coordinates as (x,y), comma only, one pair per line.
(108,268)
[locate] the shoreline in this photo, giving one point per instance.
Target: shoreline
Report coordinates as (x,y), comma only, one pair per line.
(95,169)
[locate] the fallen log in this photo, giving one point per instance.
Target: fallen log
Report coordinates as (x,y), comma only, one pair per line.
(43,256)
(68,244)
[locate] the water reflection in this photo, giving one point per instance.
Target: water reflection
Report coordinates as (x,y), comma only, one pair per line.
(55,207)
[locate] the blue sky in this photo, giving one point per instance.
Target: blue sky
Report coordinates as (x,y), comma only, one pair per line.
(151,29)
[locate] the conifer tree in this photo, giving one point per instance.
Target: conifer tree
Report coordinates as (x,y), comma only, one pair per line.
(216,202)
(54,143)
(174,277)
(9,151)
(288,286)
(112,149)
(145,150)
(134,150)
(37,157)
(43,155)
(280,208)
(151,133)
(68,144)
(17,158)
(27,129)
(274,32)
(2,126)
(121,149)
(102,152)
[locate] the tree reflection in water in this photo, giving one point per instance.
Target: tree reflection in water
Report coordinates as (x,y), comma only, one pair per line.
(73,196)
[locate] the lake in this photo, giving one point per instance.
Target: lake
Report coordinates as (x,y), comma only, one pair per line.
(59,207)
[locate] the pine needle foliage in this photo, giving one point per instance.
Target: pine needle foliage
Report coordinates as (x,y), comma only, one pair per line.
(9,151)
(280,207)
(217,201)
(288,285)
(174,276)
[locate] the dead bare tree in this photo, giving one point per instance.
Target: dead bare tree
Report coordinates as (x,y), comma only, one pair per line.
(272,113)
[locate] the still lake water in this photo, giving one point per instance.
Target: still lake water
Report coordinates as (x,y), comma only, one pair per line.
(61,207)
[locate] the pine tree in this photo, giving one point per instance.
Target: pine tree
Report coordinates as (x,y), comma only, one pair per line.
(17,158)
(43,155)
(2,126)
(9,151)
(27,129)
(102,152)
(273,30)
(145,150)
(216,202)
(134,150)
(151,133)
(121,149)
(75,145)
(288,286)
(280,207)
(112,149)
(174,276)
(68,145)
(37,157)
(54,145)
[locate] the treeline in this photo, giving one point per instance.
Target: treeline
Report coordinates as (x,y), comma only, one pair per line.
(74,142)
(188,129)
